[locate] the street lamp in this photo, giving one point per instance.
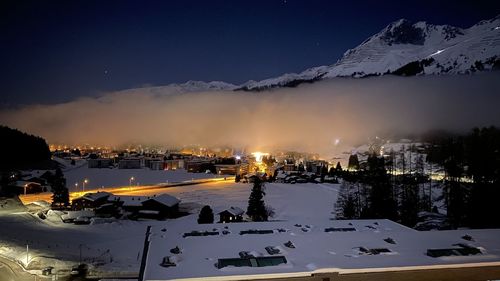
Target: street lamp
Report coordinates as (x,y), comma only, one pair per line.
(130,181)
(85,181)
(25,186)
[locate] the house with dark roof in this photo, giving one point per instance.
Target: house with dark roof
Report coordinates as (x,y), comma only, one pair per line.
(25,187)
(90,201)
(160,207)
(233,214)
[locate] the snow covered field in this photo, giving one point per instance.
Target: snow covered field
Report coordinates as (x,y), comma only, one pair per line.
(106,177)
(116,246)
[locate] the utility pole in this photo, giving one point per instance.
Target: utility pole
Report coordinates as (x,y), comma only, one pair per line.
(145,250)
(27,254)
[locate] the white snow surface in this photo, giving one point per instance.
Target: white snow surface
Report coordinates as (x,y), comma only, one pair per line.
(118,243)
(106,177)
(455,51)
(315,249)
(166,200)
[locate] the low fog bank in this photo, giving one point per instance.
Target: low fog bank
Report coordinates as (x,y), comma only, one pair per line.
(309,118)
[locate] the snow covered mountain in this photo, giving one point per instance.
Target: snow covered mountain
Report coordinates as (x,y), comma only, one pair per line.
(201,86)
(188,87)
(405,48)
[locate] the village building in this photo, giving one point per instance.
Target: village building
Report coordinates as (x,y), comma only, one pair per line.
(198,165)
(289,167)
(99,163)
(128,203)
(90,201)
(25,187)
(316,166)
(129,163)
(173,164)
(232,169)
(160,207)
(233,214)
(153,163)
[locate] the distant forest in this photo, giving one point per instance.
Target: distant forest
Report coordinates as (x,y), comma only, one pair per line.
(22,150)
(471,186)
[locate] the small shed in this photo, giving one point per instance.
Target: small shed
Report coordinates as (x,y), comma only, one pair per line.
(233,214)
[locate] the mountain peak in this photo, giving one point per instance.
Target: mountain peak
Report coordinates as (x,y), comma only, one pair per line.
(403,31)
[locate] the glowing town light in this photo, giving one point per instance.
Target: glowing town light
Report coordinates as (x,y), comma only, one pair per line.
(258,156)
(237,157)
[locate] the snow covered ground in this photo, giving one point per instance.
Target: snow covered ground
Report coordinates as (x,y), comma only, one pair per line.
(97,178)
(315,249)
(117,246)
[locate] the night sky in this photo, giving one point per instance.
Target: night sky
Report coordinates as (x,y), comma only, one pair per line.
(56,51)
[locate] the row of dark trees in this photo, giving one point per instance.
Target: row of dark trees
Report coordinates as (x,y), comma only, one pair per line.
(472,171)
(21,150)
(376,191)
(471,185)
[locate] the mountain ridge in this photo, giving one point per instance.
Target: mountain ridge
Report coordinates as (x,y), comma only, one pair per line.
(401,48)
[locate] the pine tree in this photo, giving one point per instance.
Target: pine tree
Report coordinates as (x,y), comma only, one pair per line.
(206,215)
(410,205)
(353,163)
(382,203)
(256,208)
(346,206)
(60,197)
(338,168)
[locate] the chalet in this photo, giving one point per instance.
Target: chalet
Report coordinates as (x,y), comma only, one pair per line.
(233,214)
(99,163)
(90,201)
(128,203)
(162,206)
(129,163)
(25,187)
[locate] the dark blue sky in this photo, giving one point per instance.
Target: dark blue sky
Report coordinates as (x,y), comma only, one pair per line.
(54,51)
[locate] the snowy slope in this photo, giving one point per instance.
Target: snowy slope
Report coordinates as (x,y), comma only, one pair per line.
(428,48)
(188,87)
(446,49)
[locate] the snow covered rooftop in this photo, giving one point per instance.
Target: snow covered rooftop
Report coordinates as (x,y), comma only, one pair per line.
(372,244)
(129,200)
(165,199)
(24,183)
(96,195)
(235,211)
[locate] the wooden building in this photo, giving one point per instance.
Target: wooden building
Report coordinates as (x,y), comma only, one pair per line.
(233,214)
(162,206)
(90,201)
